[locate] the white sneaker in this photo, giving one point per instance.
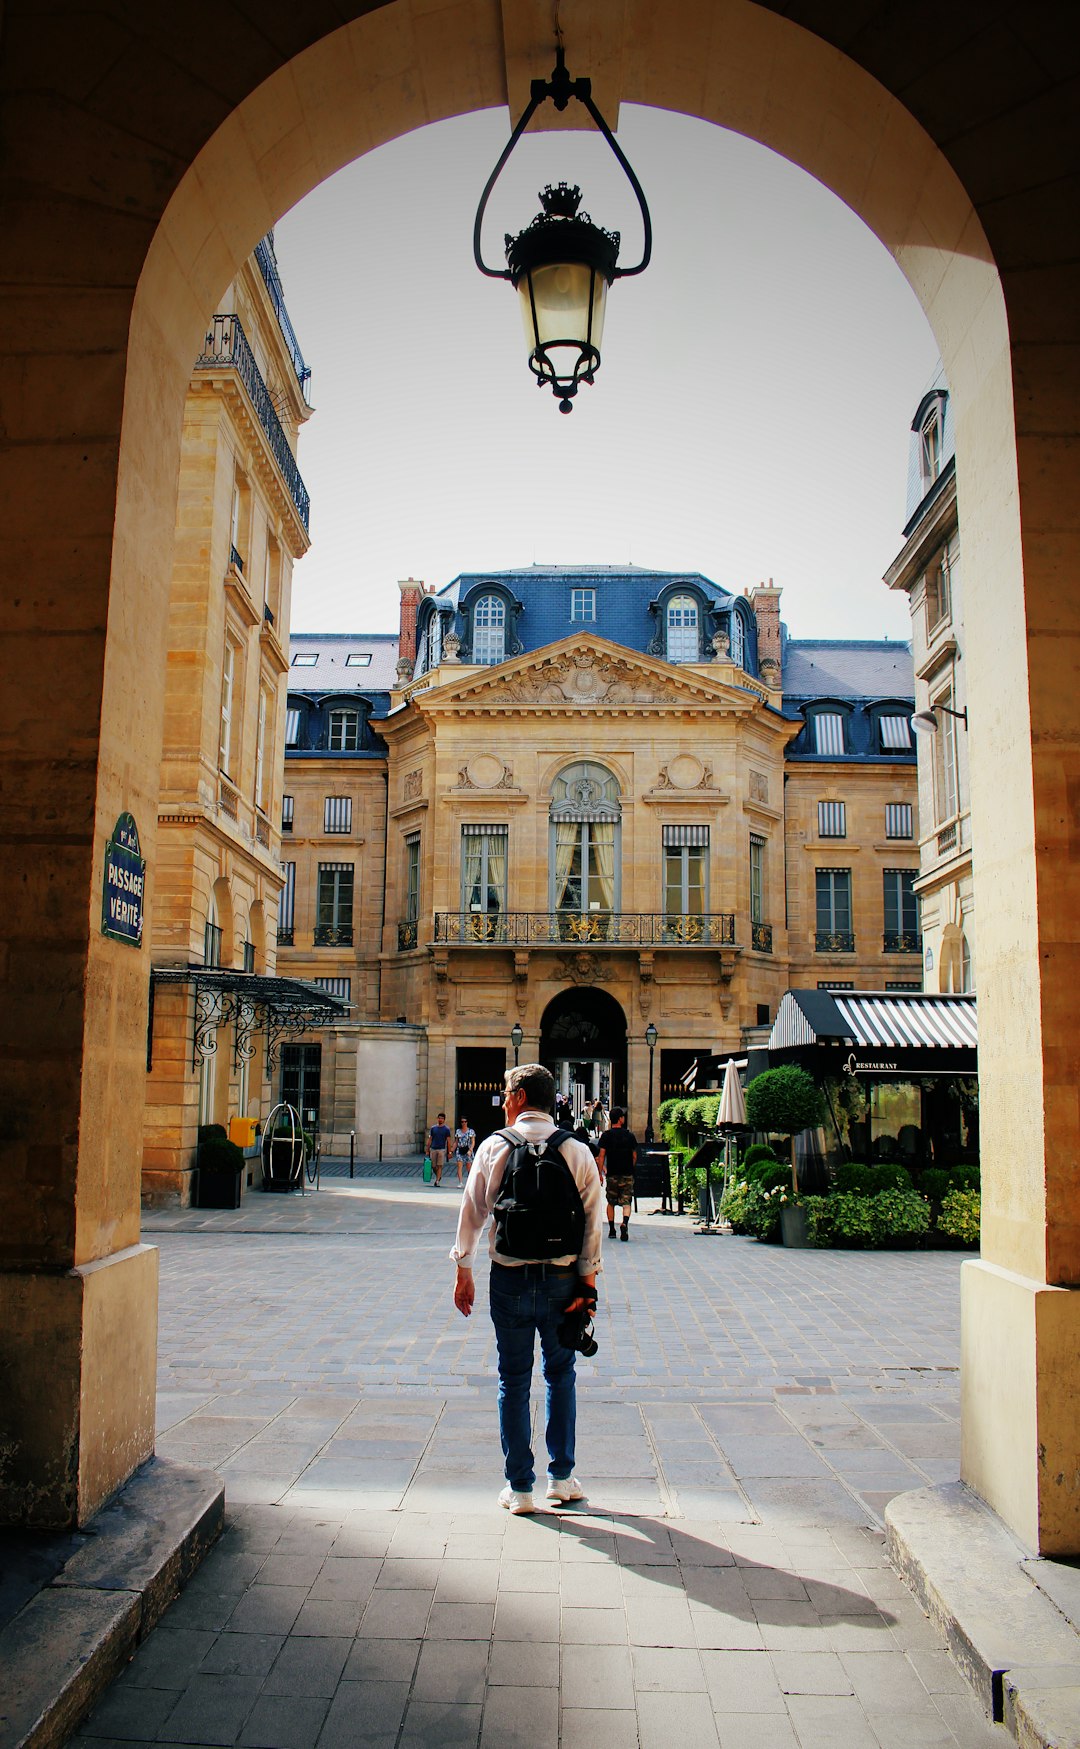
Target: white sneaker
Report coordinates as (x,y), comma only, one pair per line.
(516,1502)
(561,1493)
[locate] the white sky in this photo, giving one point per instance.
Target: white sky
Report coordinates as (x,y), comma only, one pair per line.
(750,419)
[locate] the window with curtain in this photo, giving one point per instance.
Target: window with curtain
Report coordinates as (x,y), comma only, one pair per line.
(585,822)
(483,879)
(833,902)
(901,911)
(686,881)
(489,630)
(412,877)
(757,878)
(681,640)
(334,905)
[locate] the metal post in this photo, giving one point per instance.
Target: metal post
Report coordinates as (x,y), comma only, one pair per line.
(380,1146)
(352,1151)
(650,1040)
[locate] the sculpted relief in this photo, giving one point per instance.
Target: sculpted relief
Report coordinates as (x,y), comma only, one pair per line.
(587,677)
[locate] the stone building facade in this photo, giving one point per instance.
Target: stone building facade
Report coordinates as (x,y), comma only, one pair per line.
(241,523)
(927,570)
(585,802)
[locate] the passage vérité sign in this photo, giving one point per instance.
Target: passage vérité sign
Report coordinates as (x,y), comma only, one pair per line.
(125,884)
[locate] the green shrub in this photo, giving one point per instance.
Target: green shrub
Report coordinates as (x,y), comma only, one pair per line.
(773,1175)
(755,1152)
(733,1206)
(870,1180)
(701,1112)
(936,1182)
(846,1218)
(761,1215)
(207,1132)
(959,1216)
(218,1154)
(965,1178)
(784,1100)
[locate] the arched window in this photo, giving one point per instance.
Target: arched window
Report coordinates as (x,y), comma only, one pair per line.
(681,641)
(738,639)
(585,822)
(489,630)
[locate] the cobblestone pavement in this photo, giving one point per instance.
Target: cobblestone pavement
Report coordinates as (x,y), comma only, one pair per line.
(748,1415)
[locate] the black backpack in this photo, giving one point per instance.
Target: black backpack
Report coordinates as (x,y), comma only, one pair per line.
(538,1212)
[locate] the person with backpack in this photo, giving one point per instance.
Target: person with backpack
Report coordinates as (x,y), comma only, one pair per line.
(616,1160)
(541,1191)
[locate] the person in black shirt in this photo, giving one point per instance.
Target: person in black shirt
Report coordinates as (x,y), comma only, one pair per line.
(616,1157)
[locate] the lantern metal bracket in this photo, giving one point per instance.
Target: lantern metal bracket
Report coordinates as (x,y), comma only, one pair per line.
(560,88)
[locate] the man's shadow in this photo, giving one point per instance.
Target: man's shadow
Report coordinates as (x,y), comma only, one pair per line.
(675,1557)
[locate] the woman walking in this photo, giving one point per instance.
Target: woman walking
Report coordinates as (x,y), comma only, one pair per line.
(464,1146)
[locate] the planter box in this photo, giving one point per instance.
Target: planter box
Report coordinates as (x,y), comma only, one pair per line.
(794,1227)
(219,1187)
(283,1164)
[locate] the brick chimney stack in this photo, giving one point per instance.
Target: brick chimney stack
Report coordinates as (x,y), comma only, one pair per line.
(764,598)
(412,594)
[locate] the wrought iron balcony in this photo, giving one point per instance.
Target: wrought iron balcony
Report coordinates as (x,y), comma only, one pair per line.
(761,937)
(834,941)
(264,255)
(583,929)
(902,941)
(285,937)
(406,935)
(235,559)
(333,935)
(227,344)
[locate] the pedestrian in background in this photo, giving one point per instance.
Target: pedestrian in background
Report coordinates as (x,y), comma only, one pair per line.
(616,1158)
(438,1138)
(463,1146)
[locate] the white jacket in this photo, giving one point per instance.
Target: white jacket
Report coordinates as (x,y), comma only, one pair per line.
(485,1181)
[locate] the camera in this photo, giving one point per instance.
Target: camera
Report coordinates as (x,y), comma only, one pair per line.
(576,1331)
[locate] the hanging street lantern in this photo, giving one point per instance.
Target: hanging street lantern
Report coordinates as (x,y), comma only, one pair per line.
(562,264)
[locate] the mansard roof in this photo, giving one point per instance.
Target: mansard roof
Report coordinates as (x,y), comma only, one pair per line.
(852,668)
(331,670)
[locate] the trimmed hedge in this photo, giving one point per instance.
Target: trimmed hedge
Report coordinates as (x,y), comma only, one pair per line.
(937,1182)
(844,1218)
(870,1180)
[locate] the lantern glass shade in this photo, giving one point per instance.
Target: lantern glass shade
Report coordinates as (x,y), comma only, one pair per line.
(562,306)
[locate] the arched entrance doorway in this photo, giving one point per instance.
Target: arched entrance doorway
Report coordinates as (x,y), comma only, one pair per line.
(583,1043)
(157,210)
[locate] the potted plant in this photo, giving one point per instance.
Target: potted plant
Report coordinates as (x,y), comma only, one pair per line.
(784,1101)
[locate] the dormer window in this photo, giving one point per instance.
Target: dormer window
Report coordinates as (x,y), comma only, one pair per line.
(738,639)
(344,731)
(928,427)
(682,641)
(489,630)
(433,642)
(895,733)
(829,733)
(583,606)
(292,726)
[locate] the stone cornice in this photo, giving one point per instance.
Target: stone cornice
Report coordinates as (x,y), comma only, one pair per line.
(224,382)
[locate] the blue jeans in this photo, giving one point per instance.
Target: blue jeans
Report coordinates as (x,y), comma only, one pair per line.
(526,1301)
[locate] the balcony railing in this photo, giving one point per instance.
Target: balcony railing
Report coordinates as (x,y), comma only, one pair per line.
(761,937)
(235,559)
(407,935)
(834,941)
(333,935)
(268,268)
(227,344)
(586,929)
(285,937)
(902,941)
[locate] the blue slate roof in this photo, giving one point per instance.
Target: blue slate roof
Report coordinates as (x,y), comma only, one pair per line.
(847,668)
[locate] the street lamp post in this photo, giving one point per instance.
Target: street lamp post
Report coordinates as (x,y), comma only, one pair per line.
(516,1036)
(651,1036)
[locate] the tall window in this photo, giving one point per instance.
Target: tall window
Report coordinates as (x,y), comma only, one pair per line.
(228,687)
(686,880)
(292,726)
(271,575)
(938,593)
(930,447)
(412,877)
(828,732)
(238,523)
(337,814)
(901,911)
(334,905)
(946,781)
(757,878)
(287,807)
(489,630)
(833,896)
(738,639)
(287,906)
(832,819)
(483,874)
(344,731)
(585,817)
(433,641)
(583,605)
(682,643)
(899,822)
(260,748)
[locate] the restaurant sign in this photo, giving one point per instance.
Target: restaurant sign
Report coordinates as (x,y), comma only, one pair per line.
(125,884)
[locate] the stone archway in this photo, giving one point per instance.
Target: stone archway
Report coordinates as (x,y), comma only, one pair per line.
(124,233)
(583,1041)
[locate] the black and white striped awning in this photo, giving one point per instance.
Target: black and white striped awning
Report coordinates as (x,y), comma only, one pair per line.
(870,1031)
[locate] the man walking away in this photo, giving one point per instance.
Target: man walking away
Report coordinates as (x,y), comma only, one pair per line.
(616,1159)
(530,1297)
(438,1137)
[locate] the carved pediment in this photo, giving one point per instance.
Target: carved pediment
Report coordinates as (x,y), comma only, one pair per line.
(587,672)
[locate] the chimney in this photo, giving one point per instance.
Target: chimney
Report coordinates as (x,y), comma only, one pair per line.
(765,601)
(412,594)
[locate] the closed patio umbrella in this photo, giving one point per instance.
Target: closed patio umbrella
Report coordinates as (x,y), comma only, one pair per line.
(732,1101)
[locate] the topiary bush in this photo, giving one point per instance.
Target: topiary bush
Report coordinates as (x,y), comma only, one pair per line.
(892,1217)
(757,1151)
(218,1154)
(959,1217)
(870,1180)
(786,1101)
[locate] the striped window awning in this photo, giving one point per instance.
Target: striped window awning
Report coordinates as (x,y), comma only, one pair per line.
(877,1032)
(677,835)
(485,831)
(895,733)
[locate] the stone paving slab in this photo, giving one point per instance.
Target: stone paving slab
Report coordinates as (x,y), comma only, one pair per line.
(749,1414)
